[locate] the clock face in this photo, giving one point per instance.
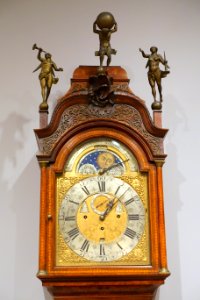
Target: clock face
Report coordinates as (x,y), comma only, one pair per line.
(102,218)
(102,207)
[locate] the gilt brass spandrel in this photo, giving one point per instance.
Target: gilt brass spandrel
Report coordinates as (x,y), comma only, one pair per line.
(139,182)
(64,255)
(141,253)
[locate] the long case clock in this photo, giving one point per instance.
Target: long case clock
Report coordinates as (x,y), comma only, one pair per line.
(102,232)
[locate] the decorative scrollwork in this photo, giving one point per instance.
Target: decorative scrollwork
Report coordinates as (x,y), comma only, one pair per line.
(80,113)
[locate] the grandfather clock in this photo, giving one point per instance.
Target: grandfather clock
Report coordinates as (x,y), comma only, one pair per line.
(102,232)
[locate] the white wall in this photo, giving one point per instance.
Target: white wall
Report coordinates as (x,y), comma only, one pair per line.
(64,28)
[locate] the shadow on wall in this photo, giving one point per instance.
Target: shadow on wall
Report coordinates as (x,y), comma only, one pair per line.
(26,207)
(12,141)
(173,179)
(22,209)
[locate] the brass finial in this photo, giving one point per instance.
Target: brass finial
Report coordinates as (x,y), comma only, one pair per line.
(155,74)
(47,75)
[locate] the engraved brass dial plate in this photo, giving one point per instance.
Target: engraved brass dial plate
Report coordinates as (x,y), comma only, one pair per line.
(102,207)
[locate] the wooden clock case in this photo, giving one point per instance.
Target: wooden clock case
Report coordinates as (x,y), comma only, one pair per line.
(75,120)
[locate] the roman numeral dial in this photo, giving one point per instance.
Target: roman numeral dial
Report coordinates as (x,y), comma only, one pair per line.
(101,218)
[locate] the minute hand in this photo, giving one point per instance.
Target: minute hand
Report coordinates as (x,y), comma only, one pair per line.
(108,209)
(101,172)
(110,205)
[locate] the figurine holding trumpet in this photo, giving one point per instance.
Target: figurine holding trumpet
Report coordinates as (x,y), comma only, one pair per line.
(47,75)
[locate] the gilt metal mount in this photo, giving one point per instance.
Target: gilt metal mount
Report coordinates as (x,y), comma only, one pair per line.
(47,76)
(155,74)
(104,26)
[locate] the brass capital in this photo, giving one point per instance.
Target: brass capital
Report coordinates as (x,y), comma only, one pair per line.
(164,271)
(159,163)
(41,273)
(43,164)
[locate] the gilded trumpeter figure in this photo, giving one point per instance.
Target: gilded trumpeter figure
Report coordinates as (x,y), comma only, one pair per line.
(47,75)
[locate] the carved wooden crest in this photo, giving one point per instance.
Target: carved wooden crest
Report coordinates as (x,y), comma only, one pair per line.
(100,90)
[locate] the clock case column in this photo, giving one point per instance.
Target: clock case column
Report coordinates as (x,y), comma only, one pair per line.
(76,119)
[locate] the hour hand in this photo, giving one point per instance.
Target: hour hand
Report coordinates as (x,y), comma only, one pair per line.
(111,204)
(108,209)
